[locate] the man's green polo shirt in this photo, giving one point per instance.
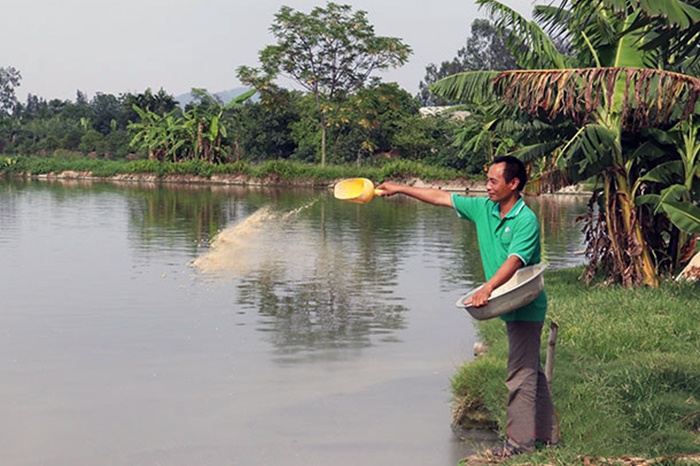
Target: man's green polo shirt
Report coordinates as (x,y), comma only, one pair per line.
(516,234)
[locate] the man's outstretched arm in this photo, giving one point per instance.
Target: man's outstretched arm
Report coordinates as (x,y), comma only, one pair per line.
(427,195)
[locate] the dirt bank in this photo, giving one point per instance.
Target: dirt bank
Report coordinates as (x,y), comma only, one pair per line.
(457,185)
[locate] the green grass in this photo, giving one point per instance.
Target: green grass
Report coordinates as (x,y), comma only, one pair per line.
(627,370)
(280,171)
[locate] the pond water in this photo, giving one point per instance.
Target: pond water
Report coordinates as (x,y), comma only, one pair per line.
(151,325)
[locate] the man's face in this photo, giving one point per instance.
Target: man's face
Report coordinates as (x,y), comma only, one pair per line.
(496,186)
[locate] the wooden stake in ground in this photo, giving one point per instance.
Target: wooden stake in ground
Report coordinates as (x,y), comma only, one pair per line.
(549,373)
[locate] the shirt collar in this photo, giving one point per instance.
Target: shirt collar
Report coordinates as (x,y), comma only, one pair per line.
(514,211)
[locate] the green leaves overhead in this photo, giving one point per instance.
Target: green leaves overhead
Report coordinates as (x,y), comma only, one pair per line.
(471,86)
(588,153)
(677,13)
(528,43)
(668,28)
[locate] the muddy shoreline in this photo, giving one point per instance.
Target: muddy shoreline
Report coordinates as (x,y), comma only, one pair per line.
(461,185)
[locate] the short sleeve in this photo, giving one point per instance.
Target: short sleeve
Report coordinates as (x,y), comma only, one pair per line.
(526,238)
(469,208)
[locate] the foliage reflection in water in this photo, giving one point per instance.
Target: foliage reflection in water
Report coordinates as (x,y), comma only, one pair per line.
(312,293)
(141,344)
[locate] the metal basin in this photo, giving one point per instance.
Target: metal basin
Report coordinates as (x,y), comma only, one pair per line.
(521,289)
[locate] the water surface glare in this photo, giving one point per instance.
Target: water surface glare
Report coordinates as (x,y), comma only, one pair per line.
(231,326)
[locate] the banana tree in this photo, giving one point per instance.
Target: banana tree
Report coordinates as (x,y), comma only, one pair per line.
(159,135)
(606,90)
(677,181)
(205,125)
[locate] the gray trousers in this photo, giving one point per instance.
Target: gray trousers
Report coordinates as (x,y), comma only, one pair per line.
(530,412)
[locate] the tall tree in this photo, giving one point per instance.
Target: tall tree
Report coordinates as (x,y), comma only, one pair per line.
(10,78)
(160,103)
(484,50)
(106,112)
(331,52)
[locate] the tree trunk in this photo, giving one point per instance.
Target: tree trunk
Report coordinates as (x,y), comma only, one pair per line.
(631,251)
(323,141)
(198,149)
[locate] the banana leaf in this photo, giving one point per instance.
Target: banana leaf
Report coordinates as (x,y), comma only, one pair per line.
(666,173)
(471,86)
(684,215)
(589,150)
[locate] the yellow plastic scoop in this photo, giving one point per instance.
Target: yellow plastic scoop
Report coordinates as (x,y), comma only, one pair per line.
(358,190)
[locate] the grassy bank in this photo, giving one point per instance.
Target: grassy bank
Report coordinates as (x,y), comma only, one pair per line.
(281,172)
(626,377)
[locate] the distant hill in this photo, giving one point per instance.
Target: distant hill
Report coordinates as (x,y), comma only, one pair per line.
(225,96)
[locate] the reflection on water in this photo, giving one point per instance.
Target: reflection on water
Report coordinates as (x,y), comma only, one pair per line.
(311,293)
(219,325)
(241,249)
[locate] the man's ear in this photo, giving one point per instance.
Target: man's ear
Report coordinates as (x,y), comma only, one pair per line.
(513,184)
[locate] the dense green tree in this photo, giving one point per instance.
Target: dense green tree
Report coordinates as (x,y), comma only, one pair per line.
(78,109)
(161,103)
(369,120)
(93,141)
(331,52)
(427,139)
(10,78)
(160,137)
(263,128)
(35,108)
(366,124)
(607,91)
(106,111)
(484,50)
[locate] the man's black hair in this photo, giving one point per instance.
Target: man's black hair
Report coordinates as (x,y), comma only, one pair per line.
(514,169)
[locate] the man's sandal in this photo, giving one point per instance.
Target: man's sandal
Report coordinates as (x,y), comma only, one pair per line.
(503,451)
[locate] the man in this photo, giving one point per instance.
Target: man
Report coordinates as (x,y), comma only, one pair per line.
(509,238)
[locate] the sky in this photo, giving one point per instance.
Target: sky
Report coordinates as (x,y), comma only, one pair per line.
(115,47)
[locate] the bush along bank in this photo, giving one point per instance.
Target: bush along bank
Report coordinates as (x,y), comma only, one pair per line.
(279,172)
(626,381)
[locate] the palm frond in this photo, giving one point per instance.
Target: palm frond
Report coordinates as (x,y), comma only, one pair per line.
(588,153)
(533,152)
(678,13)
(555,19)
(519,126)
(472,86)
(666,173)
(528,43)
(684,215)
(651,97)
(671,27)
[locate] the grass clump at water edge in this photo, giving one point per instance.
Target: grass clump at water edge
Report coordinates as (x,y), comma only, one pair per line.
(273,171)
(626,374)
